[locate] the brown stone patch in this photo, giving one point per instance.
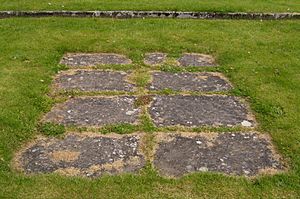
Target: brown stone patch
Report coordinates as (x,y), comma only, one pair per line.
(66,156)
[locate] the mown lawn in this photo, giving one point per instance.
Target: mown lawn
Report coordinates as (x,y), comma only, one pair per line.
(261,58)
(185,5)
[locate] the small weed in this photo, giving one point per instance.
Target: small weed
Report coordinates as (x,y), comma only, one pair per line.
(51,129)
(118,128)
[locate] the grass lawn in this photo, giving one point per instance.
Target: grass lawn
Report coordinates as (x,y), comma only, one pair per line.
(261,58)
(184,5)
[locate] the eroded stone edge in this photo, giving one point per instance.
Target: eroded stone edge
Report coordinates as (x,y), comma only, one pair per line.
(163,137)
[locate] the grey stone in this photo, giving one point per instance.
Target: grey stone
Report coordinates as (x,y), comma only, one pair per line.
(155,58)
(88,154)
(95,111)
(153,14)
(93,59)
(194,59)
(203,82)
(246,154)
(93,80)
(216,110)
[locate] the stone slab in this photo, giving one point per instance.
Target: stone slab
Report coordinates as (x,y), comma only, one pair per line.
(126,14)
(95,111)
(245,154)
(89,155)
(194,59)
(202,82)
(93,80)
(93,59)
(205,110)
(155,58)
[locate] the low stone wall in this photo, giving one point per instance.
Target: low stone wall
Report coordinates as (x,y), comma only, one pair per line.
(151,14)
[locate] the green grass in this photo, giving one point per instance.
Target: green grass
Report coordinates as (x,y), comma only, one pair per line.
(261,59)
(182,5)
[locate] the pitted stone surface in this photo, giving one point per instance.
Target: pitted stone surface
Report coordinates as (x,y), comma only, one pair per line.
(93,80)
(155,58)
(204,82)
(230,153)
(83,155)
(93,59)
(95,111)
(216,110)
(194,59)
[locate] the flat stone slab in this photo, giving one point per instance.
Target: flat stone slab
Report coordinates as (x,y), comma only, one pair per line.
(194,59)
(155,58)
(93,59)
(246,154)
(95,111)
(203,82)
(93,80)
(192,111)
(88,155)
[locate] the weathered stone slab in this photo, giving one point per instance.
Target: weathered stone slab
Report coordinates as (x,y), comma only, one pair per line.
(246,154)
(194,59)
(88,155)
(95,111)
(155,58)
(203,82)
(93,59)
(93,80)
(216,110)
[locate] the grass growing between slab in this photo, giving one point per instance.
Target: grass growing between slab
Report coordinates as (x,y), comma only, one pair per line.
(190,5)
(261,59)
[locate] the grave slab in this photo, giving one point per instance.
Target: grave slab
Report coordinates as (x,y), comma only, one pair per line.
(195,59)
(85,154)
(93,80)
(204,110)
(245,154)
(202,82)
(95,111)
(93,59)
(153,59)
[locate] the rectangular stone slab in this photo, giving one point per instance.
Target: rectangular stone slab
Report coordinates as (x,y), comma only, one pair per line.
(88,154)
(153,59)
(196,60)
(92,80)
(93,59)
(202,82)
(246,154)
(95,111)
(192,111)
